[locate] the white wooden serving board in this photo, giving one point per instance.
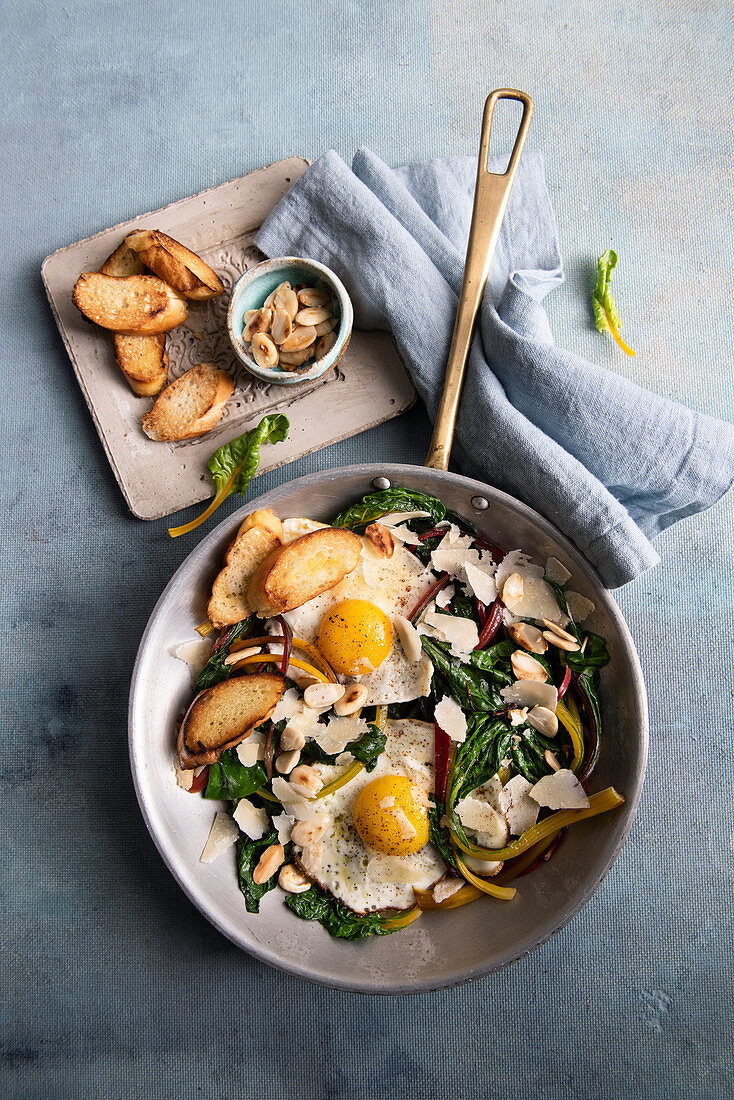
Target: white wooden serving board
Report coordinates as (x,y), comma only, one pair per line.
(368,387)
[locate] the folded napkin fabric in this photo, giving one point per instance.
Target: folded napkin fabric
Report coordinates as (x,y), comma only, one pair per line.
(609,463)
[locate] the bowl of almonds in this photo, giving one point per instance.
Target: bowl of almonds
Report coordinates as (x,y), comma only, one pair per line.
(289,320)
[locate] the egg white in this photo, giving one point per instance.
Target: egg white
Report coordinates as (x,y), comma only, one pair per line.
(394,585)
(342,863)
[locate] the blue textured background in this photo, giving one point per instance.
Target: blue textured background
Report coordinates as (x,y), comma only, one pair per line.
(114,985)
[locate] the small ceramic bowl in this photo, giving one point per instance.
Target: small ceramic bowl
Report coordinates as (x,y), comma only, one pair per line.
(251,290)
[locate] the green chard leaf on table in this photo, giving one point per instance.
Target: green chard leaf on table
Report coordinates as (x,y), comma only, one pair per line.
(605,311)
(234,465)
(397,499)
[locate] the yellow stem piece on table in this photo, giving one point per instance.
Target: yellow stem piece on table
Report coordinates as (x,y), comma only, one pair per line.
(599,803)
(404,920)
(463,896)
(615,333)
(503,893)
(205,629)
(575,732)
(174,532)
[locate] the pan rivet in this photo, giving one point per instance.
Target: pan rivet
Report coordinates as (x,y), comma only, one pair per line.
(381,483)
(479,504)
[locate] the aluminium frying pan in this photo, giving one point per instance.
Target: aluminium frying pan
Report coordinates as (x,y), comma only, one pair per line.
(441,949)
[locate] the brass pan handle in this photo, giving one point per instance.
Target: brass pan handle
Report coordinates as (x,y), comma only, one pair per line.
(490,201)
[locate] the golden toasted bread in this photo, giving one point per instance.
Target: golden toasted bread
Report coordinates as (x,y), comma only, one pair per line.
(175,264)
(122,262)
(141,305)
(223,715)
(228,604)
(143,361)
(190,406)
(295,573)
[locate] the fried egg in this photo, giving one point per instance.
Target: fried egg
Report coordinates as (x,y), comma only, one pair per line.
(375,847)
(352,624)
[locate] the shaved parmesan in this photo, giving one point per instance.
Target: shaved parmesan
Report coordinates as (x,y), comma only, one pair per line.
(384,868)
(338,732)
(556,571)
(579,606)
(283,823)
(184,776)
(393,518)
(222,835)
(405,826)
(560,791)
(482,583)
(251,820)
(460,633)
(195,654)
(521,810)
(288,705)
(446,889)
(489,825)
(404,534)
(538,599)
(445,596)
(302,809)
(451,718)
(530,693)
(409,638)
(251,750)
(387,802)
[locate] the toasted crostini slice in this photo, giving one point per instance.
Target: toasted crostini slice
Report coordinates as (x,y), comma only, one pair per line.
(144,362)
(175,264)
(223,715)
(295,573)
(141,305)
(229,604)
(189,406)
(122,262)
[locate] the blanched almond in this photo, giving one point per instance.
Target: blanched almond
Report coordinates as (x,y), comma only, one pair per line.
(354,697)
(528,636)
(325,344)
(300,338)
(312,316)
(325,326)
(285,298)
(281,327)
(308,832)
(313,296)
(286,761)
(543,720)
(259,321)
(381,538)
(526,667)
(512,591)
(295,358)
(561,643)
(264,351)
(323,695)
(306,781)
(292,880)
(268,864)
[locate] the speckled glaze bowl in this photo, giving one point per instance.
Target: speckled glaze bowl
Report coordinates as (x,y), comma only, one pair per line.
(440,949)
(251,290)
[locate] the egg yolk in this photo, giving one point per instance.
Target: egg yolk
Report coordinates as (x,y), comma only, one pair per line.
(390,817)
(355,637)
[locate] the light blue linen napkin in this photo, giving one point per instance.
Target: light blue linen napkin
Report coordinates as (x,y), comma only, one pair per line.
(607,462)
